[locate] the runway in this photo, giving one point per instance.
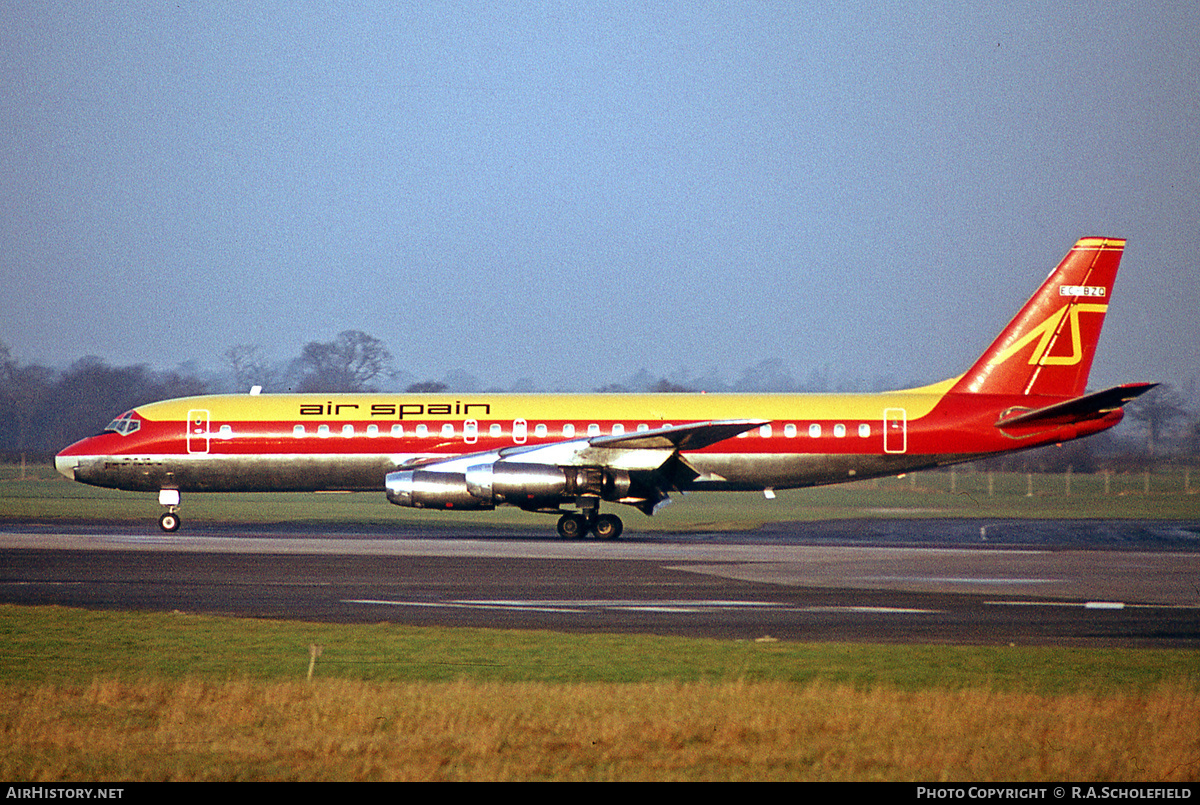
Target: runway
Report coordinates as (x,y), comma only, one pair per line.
(1075,583)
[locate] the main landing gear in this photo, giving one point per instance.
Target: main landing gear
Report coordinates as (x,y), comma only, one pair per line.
(577,526)
(170,520)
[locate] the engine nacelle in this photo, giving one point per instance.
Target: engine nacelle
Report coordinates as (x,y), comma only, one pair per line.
(541,484)
(483,486)
(425,489)
(519,484)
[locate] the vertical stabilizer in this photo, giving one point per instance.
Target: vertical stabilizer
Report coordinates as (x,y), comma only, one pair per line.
(1047,349)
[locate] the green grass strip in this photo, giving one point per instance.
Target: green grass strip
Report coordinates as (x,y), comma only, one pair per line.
(74,646)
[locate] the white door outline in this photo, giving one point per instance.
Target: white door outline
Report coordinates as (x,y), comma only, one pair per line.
(198,436)
(520,431)
(471,431)
(895,430)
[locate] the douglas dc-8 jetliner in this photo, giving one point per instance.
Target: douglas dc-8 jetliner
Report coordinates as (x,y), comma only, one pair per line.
(566,454)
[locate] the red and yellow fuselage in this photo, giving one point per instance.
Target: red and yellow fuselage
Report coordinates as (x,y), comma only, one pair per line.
(547,452)
(350,442)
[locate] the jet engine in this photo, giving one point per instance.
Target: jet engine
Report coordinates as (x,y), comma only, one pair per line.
(484,486)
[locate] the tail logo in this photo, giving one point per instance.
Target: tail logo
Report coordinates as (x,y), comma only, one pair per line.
(1048,333)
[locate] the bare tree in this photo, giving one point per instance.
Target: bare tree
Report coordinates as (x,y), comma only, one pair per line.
(1157,410)
(348,363)
(249,365)
(664,386)
(427,387)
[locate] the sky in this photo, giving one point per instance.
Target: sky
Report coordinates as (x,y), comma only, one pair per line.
(571,193)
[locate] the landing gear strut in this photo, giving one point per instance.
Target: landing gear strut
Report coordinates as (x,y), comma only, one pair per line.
(577,526)
(170,520)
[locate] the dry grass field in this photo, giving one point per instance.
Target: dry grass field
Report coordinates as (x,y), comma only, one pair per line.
(97,696)
(351,730)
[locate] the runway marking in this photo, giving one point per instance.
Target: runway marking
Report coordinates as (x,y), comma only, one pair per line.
(665,607)
(1089,604)
(1072,604)
(459,605)
(958,580)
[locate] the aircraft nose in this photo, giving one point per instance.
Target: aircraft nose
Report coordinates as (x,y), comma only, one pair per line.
(66,465)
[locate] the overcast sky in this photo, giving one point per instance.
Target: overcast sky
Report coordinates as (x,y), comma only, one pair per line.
(574,191)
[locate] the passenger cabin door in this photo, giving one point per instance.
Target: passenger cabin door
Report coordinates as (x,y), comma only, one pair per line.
(895,430)
(197,431)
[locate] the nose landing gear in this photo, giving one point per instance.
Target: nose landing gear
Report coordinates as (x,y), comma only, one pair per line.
(170,520)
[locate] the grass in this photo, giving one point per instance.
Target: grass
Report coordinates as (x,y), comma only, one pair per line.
(341,730)
(111,696)
(44,496)
(99,696)
(60,644)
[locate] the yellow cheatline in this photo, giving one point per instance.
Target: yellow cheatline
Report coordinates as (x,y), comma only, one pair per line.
(652,409)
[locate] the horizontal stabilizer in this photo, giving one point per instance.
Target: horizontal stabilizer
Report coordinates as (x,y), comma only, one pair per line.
(1080,409)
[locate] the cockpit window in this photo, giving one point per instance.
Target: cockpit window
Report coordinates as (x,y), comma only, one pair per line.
(125,424)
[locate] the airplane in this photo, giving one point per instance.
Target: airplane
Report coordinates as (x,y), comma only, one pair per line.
(566,454)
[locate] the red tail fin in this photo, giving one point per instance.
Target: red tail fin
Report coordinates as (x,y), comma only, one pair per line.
(1048,348)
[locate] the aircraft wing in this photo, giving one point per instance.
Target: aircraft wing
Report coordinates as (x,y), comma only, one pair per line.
(646,464)
(1080,409)
(678,437)
(642,450)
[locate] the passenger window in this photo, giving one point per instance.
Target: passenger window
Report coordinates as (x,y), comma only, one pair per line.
(372,430)
(447,431)
(226,432)
(765,431)
(864,430)
(298,431)
(540,431)
(495,430)
(643,428)
(839,431)
(593,430)
(618,429)
(323,431)
(397,431)
(789,431)
(347,430)
(814,430)
(568,431)
(422,431)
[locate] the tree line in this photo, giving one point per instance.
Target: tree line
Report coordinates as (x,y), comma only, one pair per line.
(43,409)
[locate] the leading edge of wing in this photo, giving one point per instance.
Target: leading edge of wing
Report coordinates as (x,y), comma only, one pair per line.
(661,442)
(695,436)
